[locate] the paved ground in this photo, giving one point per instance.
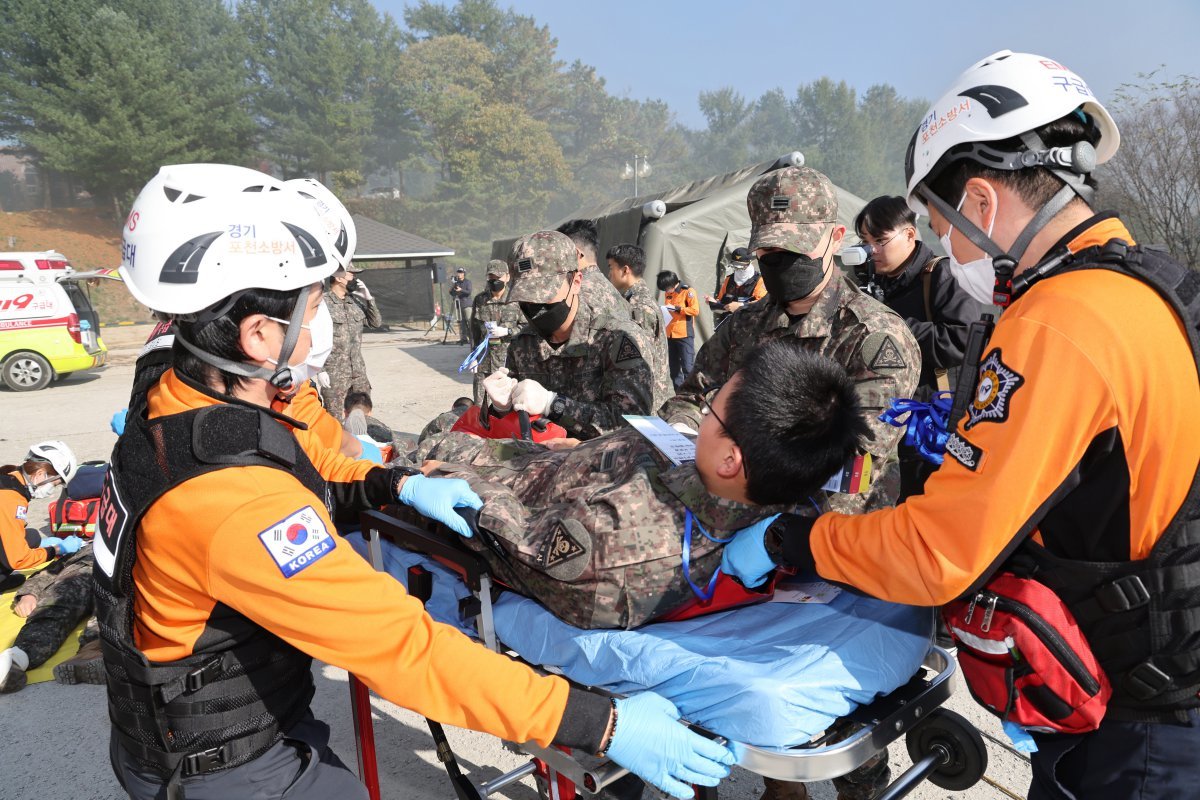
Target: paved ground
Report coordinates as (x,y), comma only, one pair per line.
(55,737)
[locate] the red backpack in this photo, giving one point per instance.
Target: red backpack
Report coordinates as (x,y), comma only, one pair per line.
(1025,658)
(76,509)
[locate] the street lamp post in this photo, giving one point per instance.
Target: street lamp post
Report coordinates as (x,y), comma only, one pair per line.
(639,169)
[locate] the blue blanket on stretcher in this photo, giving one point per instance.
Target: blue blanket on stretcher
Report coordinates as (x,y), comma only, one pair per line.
(774,674)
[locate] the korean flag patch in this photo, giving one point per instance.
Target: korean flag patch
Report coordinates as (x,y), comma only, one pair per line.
(297,541)
(22,512)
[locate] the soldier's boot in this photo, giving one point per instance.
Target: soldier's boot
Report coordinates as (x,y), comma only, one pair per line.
(783,790)
(13,663)
(86,666)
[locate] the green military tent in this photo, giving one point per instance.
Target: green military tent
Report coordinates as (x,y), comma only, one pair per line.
(689,229)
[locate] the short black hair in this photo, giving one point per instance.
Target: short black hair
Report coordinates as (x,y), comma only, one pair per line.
(629,255)
(796,418)
(222,336)
(1035,185)
(356,399)
(583,232)
(462,402)
(666,276)
(884,214)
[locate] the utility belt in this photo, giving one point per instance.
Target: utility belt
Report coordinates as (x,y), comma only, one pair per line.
(1058,644)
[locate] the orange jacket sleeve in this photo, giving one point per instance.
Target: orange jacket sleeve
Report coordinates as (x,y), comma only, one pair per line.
(1053,402)
(15,552)
(339,610)
(691,304)
(760,290)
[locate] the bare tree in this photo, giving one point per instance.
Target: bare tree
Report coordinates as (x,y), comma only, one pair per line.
(1155,177)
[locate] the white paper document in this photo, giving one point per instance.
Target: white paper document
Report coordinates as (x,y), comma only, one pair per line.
(805,592)
(670,442)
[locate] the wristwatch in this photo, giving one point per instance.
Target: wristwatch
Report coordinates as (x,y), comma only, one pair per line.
(773,539)
(558,407)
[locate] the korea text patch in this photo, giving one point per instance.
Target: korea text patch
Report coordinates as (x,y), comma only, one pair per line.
(297,541)
(22,512)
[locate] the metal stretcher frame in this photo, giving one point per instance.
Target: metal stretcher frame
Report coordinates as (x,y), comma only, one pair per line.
(947,750)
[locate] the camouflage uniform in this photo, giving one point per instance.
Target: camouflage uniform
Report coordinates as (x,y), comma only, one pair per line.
(867,338)
(600,372)
(64,598)
(644,309)
(345,366)
(594,533)
(487,308)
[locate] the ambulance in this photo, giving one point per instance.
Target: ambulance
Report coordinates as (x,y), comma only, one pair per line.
(48,328)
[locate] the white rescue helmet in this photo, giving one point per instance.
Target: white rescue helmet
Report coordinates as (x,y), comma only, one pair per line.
(339,224)
(199,233)
(61,459)
(1001,97)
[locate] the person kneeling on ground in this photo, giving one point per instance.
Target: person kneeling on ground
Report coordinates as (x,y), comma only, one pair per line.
(47,466)
(569,519)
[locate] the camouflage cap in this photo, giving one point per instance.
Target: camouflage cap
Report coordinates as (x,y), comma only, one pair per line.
(497,268)
(791,208)
(540,263)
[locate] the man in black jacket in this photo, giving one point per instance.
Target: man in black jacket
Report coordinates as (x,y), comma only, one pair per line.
(917,285)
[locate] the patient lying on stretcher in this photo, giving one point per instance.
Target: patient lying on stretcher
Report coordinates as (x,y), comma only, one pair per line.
(596,533)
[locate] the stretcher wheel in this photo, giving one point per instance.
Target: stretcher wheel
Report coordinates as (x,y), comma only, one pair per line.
(944,731)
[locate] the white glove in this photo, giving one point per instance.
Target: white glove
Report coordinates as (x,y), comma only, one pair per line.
(497,331)
(532,397)
(362,291)
(323,380)
(499,388)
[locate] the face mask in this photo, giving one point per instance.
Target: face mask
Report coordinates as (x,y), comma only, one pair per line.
(546,318)
(496,285)
(742,274)
(791,276)
(978,277)
(321,332)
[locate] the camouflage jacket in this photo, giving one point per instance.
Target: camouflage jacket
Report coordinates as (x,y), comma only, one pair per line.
(594,533)
(646,312)
(349,314)
(860,333)
(601,372)
(507,315)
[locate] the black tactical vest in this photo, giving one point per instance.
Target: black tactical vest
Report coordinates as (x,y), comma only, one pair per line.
(243,687)
(1141,618)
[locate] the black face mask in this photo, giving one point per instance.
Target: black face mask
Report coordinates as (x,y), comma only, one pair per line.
(790,276)
(496,285)
(546,318)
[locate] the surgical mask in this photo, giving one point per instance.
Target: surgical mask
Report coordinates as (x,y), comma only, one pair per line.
(546,318)
(320,330)
(496,285)
(978,277)
(790,276)
(742,274)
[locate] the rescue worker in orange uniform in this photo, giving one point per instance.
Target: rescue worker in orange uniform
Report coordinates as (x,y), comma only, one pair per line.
(680,301)
(1077,453)
(218,573)
(47,466)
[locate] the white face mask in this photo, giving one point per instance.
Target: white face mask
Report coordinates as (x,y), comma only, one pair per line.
(320,330)
(977,277)
(742,274)
(40,491)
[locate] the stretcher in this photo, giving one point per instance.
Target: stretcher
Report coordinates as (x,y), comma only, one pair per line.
(944,747)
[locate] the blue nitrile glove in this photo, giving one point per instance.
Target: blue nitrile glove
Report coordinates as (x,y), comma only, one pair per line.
(118,421)
(370,450)
(745,558)
(650,742)
(51,541)
(70,545)
(437,498)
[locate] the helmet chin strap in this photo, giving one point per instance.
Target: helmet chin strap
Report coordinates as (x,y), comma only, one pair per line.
(281,376)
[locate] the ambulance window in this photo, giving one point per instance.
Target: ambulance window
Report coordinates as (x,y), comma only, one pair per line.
(79,299)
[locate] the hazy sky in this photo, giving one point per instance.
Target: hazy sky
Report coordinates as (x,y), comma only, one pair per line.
(674,49)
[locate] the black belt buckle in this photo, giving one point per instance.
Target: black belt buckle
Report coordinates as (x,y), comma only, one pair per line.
(198,678)
(1146,681)
(206,761)
(1123,594)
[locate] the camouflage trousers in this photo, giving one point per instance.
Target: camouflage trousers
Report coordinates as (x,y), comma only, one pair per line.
(333,397)
(61,607)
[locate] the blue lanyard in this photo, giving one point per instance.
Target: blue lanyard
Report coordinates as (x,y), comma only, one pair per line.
(927,425)
(475,357)
(704,595)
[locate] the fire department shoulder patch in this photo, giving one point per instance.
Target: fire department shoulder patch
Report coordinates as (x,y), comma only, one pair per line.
(22,512)
(993,394)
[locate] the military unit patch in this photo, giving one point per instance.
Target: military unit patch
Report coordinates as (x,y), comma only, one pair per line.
(780,202)
(881,352)
(628,349)
(559,548)
(997,384)
(964,452)
(524,264)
